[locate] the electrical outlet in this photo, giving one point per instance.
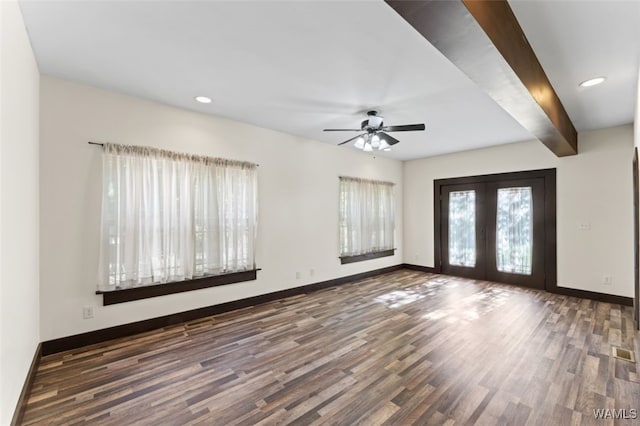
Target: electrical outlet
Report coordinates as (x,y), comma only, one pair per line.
(607,280)
(312,272)
(297,275)
(87,312)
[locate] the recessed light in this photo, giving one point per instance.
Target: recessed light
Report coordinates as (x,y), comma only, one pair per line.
(203,99)
(592,82)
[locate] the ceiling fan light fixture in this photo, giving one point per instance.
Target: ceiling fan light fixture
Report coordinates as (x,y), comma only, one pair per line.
(375,142)
(203,99)
(383,145)
(367,147)
(387,149)
(359,143)
(592,82)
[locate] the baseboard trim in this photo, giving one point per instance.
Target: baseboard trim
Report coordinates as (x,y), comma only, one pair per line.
(600,297)
(21,406)
(565,291)
(98,336)
(428,269)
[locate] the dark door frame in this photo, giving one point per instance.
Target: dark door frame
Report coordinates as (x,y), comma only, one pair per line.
(537,277)
(549,176)
(636,242)
(477,271)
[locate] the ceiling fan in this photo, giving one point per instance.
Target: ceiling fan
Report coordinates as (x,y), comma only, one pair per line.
(375,136)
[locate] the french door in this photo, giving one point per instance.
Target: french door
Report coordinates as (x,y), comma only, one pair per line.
(494,229)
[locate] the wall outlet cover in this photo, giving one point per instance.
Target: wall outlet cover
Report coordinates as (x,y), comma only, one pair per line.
(87,312)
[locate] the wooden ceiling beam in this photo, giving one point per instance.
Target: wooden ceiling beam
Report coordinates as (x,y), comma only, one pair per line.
(485,41)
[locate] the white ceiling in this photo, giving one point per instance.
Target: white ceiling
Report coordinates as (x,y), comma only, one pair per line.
(299,67)
(579,40)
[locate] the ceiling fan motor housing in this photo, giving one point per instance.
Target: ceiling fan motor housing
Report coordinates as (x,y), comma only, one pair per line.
(374,122)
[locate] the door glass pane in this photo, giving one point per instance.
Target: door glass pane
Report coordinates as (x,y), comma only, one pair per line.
(514,230)
(462,228)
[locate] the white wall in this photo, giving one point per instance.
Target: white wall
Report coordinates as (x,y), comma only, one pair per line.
(19,300)
(298,201)
(594,187)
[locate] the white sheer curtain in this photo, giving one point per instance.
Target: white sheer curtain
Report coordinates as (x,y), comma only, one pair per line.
(169,217)
(462,228)
(367,220)
(514,230)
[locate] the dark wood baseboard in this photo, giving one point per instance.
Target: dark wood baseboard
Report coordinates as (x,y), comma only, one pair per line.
(98,336)
(565,291)
(600,297)
(21,406)
(428,269)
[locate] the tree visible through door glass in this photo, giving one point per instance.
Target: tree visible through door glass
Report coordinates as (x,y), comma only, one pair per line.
(462,228)
(514,230)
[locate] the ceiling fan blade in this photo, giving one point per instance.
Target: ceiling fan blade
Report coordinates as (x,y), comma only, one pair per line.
(352,139)
(404,128)
(390,139)
(342,130)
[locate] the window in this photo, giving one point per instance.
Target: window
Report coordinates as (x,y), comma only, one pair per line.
(367,222)
(462,228)
(514,227)
(170,217)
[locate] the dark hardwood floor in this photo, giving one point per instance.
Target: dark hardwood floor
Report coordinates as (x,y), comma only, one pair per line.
(402,348)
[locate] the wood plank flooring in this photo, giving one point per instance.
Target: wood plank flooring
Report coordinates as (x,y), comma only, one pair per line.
(402,348)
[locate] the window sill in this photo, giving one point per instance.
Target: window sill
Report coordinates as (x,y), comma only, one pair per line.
(366,256)
(155,290)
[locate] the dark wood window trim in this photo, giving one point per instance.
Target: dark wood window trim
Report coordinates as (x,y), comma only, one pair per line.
(366,256)
(549,176)
(155,290)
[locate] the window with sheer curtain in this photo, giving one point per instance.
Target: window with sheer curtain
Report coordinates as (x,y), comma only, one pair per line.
(170,217)
(514,230)
(367,222)
(462,228)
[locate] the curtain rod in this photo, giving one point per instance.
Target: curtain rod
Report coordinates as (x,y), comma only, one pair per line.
(101,144)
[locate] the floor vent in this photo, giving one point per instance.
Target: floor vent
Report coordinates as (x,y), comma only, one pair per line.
(624,354)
